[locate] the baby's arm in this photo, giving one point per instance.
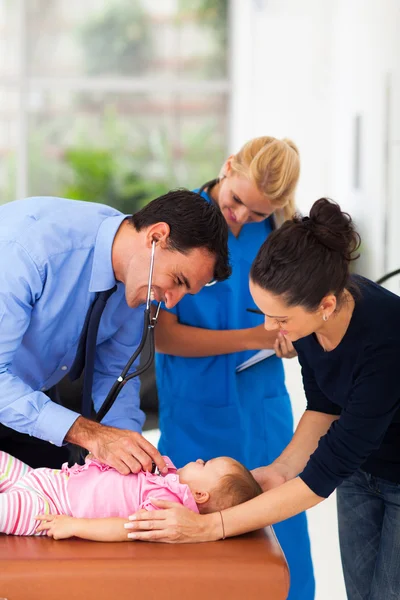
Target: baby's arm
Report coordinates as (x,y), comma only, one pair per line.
(60,527)
(105,529)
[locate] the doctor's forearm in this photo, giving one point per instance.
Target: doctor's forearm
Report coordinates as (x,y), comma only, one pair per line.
(32,412)
(83,432)
(187,341)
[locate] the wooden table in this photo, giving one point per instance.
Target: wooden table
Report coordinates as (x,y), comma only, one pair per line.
(242,568)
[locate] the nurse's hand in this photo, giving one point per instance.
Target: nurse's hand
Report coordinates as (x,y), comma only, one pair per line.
(176,524)
(284,347)
(258,338)
(270,477)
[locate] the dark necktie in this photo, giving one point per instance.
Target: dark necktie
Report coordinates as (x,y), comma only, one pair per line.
(86,352)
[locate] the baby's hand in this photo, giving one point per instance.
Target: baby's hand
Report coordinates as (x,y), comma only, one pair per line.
(58,527)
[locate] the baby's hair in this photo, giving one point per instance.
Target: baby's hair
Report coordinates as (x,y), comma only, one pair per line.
(233,488)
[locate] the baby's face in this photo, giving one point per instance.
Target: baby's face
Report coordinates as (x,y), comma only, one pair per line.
(205,475)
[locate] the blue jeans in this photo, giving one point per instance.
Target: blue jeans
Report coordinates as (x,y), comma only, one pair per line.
(369,534)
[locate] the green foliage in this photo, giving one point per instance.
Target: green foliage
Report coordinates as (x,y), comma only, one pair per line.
(94,176)
(126,169)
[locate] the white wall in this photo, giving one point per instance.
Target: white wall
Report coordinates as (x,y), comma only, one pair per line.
(282,82)
(365,67)
(305,70)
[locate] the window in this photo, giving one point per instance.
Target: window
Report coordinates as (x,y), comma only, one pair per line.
(114,101)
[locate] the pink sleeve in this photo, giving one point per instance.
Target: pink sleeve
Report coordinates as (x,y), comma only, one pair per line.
(160,494)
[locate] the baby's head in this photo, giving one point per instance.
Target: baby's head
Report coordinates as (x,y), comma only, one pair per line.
(219,483)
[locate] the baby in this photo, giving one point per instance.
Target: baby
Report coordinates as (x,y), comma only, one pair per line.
(95,490)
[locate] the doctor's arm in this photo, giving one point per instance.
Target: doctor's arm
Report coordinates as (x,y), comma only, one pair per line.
(177,339)
(21,407)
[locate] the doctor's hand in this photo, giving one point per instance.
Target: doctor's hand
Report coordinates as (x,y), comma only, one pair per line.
(126,451)
(176,524)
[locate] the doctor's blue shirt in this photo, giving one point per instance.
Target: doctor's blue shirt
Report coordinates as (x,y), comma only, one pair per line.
(55,254)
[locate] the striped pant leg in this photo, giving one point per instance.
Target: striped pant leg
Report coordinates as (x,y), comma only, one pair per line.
(41,491)
(18,509)
(11,470)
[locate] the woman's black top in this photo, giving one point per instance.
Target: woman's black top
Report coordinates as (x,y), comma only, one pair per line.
(360,381)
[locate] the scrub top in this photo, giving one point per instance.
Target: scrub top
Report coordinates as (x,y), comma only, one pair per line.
(206,409)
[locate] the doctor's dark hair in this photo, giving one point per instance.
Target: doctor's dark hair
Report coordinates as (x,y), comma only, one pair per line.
(194,223)
(309,258)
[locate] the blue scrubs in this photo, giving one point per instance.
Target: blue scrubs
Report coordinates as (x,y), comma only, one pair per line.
(207,409)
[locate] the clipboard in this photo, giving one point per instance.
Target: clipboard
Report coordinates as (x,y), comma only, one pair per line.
(256,358)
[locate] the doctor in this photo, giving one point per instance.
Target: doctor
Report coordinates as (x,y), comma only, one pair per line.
(207,409)
(57,259)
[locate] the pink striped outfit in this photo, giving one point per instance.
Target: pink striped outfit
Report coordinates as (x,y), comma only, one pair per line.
(92,490)
(27,492)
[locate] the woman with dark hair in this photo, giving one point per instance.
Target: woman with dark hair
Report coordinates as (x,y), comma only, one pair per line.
(346,330)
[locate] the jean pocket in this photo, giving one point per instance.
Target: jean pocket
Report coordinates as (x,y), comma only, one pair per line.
(388,484)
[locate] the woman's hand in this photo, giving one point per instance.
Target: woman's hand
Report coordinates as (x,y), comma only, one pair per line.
(259,338)
(270,477)
(174,525)
(284,347)
(58,527)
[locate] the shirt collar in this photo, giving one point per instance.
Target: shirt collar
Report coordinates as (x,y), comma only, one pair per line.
(103,277)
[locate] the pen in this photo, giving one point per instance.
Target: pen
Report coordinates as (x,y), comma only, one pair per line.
(256,311)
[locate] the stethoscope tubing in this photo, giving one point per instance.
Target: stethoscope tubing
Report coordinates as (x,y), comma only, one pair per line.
(149,323)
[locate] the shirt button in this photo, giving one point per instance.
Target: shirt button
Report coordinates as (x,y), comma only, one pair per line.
(173,477)
(43,389)
(64,368)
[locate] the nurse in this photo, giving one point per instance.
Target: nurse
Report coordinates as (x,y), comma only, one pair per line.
(207,408)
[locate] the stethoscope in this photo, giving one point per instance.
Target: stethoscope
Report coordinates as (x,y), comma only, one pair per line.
(149,323)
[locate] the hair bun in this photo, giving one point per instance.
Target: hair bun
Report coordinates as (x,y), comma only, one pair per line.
(291,145)
(333,228)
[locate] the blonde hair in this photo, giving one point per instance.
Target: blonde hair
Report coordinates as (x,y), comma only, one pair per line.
(274,167)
